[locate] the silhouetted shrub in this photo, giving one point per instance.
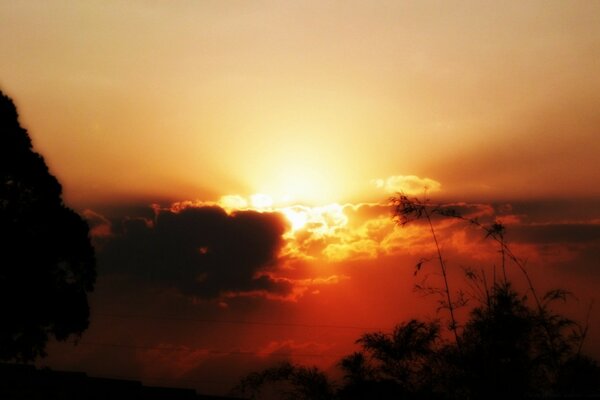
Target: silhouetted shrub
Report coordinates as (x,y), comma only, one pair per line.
(287,381)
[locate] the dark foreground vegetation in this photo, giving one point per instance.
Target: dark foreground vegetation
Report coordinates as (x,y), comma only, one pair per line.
(512,345)
(24,382)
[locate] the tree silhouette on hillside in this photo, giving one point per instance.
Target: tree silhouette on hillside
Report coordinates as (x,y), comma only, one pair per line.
(47,263)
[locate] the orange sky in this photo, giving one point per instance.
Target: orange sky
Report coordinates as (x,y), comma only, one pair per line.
(314,113)
(308,99)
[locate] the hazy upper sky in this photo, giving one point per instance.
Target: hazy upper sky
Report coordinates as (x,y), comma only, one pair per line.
(311,100)
(329,104)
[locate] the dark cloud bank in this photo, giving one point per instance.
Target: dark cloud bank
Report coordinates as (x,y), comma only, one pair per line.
(204,252)
(199,251)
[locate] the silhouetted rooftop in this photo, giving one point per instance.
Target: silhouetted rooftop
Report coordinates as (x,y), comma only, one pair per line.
(28,383)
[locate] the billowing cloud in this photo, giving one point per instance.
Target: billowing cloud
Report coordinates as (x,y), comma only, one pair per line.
(200,251)
(210,251)
(408,184)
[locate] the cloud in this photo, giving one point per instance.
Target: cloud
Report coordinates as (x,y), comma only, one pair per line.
(407,184)
(211,252)
(556,233)
(200,251)
(100,226)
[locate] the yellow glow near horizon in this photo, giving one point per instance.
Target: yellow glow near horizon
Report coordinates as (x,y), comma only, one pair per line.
(299,181)
(261,201)
(320,220)
(307,180)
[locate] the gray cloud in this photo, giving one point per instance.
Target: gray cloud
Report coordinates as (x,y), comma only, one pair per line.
(200,251)
(555,233)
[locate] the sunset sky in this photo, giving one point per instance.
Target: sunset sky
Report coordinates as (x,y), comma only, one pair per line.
(235,158)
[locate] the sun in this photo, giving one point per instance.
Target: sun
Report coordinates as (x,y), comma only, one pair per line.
(261,201)
(295,183)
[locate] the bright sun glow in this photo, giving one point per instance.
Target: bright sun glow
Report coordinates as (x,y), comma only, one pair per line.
(320,220)
(297,218)
(261,201)
(305,181)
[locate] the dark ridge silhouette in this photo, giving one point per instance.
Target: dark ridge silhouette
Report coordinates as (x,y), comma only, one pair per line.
(47,264)
(28,383)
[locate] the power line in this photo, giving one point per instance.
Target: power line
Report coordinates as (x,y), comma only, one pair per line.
(211,352)
(237,322)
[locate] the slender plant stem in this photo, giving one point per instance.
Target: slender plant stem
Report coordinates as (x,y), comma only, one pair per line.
(506,252)
(503,258)
(443,267)
(584,331)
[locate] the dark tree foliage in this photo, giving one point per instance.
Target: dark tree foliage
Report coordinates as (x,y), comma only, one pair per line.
(47,263)
(504,355)
(287,381)
(393,365)
(500,344)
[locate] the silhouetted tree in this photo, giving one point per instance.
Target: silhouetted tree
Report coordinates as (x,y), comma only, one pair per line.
(287,381)
(503,354)
(360,377)
(47,263)
(501,345)
(391,365)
